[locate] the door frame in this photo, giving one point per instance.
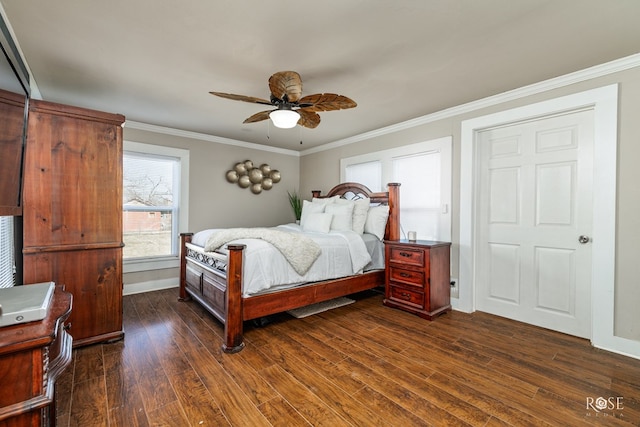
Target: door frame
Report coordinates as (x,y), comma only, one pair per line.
(604,102)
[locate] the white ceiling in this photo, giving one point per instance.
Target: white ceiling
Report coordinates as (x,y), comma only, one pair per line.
(155,61)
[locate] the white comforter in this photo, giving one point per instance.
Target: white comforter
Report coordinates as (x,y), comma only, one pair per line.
(343,254)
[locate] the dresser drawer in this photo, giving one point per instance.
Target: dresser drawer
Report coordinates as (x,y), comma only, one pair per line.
(407,256)
(408,277)
(406,296)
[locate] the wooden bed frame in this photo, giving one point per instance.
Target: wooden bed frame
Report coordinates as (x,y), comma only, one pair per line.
(221,294)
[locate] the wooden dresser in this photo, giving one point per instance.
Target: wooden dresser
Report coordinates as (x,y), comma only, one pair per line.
(417,277)
(32,357)
(72,213)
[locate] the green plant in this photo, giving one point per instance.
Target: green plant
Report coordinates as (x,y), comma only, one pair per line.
(296,204)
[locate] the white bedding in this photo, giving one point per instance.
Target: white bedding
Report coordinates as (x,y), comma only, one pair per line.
(343,254)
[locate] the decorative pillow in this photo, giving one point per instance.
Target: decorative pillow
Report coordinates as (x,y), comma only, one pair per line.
(342,216)
(360,210)
(326,200)
(377,221)
(318,222)
(309,208)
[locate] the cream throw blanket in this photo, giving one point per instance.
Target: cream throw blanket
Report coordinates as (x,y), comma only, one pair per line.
(299,250)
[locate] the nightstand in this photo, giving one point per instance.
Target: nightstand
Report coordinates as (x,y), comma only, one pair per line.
(417,277)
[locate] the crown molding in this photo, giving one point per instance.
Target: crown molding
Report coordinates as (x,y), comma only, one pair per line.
(607,68)
(131,124)
(611,67)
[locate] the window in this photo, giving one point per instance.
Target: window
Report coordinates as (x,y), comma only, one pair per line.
(424,172)
(366,173)
(155,200)
(7,253)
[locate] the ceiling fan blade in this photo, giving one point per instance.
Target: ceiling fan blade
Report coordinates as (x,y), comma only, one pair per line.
(326,102)
(308,119)
(244,98)
(286,83)
(258,117)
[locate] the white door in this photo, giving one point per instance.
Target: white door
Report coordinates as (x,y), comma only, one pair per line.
(534,221)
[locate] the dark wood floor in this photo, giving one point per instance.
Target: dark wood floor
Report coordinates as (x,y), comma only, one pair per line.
(359,365)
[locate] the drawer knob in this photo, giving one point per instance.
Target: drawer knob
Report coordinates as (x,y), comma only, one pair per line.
(405,254)
(405,275)
(405,295)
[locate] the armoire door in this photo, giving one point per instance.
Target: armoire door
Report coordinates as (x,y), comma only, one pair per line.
(73,213)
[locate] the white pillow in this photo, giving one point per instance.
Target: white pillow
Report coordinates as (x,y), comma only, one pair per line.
(318,222)
(360,210)
(309,208)
(377,221)
(342,216)
(326,200)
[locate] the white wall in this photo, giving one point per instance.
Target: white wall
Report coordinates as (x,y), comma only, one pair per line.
(320,168)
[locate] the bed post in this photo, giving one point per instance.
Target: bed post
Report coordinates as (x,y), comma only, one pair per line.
(184,239)
(233,340)
(393,224)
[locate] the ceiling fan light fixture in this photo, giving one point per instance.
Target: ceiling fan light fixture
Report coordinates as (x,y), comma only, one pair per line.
(284,119)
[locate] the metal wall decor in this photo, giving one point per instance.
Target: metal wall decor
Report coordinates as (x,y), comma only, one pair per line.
(256,178)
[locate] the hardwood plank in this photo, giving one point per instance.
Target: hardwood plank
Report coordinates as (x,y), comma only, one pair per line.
(242,372)
(344,338)
(170,414)
(472,373)
(196,401)
(548,367)
(89,403)
(410,403)
(300,332)
(500,411)
(306,403)
(417,384)
(324,388)
(363,364)
(146,370)
(399,414)
(237,407)
(281,414)
(88,363)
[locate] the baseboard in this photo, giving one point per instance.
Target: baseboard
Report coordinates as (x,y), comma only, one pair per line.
(154,285)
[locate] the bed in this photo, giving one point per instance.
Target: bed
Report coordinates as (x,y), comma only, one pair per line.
(224,279)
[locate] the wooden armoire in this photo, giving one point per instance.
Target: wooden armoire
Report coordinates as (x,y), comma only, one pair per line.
(72,213)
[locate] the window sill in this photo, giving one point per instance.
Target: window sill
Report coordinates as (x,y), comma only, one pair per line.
(148,264)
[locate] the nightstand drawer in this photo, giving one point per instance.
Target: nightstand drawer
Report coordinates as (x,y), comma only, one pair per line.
(409,277)
(407,256)
(406,296)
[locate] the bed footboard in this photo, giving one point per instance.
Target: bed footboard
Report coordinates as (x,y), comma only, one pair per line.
(218,291)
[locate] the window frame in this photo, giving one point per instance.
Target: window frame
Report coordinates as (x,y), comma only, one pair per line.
(182,221)
(385,157)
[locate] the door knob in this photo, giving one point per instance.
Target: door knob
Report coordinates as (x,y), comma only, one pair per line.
(584,239)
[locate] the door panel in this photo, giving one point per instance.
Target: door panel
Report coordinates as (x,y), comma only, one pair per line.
(555,281)
(535,196)
(504,279)
(555,192)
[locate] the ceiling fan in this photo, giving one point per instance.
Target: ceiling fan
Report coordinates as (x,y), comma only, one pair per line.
(291,107)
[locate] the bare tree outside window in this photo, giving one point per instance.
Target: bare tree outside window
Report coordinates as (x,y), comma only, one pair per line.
(149,205)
